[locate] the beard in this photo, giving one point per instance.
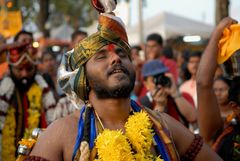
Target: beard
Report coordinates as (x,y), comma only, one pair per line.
(121,90)
(24,83)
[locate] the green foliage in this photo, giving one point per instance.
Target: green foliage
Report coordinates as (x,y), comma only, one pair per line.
(80,12)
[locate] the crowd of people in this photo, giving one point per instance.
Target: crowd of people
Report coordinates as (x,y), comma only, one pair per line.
(104,100)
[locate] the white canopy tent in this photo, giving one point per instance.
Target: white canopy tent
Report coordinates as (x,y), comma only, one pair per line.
(169,25)
(166,24)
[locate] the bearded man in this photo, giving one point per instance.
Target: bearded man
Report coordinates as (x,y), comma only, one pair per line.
(26,101)
(111,126)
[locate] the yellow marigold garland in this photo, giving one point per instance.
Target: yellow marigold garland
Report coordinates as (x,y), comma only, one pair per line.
(8,136)
(114,145)
(34,95)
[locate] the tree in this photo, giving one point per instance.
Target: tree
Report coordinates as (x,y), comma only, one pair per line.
(222,9)
(81,12)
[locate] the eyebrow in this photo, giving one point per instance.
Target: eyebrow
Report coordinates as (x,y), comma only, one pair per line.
(102,50)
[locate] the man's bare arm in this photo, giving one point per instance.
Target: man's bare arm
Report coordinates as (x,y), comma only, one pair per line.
(57,142)
(209,118)
(49,144)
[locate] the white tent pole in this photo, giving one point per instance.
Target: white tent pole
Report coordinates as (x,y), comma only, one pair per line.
(140,21)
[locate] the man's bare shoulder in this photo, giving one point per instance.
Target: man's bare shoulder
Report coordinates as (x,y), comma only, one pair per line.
(65,124)
(59,136)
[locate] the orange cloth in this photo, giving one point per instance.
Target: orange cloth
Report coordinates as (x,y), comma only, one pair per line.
(3,69)
(229,43)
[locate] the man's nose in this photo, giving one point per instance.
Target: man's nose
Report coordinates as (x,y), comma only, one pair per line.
(115,58)
(24,73)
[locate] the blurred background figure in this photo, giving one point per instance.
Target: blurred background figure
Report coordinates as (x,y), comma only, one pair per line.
(3,63)
(162,93)
(221,88)
(168,52)
(52,51)
(76,37)
(49,68)
(24,36)
(50,64)
(26,100)
(154,50)
(138,62)
(190,86)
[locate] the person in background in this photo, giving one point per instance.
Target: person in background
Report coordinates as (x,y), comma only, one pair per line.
(138,63)
(221,87)
(163,94)
(26,101)
(77,36)
(64,105)
(168,52)
(24,36)
(49,66)
(21,36)
(154,50)
(224,139)
(189,86)
(3,61)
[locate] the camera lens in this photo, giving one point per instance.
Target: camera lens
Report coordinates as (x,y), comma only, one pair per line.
(162,80)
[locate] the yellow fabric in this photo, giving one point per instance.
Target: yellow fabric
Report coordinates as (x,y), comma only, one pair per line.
(229,43)
(11,23)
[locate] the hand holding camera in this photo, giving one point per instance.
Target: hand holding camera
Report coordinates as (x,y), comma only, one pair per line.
(167,82)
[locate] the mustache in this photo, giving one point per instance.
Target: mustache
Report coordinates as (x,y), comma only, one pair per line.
(117,67)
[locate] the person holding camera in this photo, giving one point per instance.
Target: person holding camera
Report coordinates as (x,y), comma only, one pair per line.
(163,94)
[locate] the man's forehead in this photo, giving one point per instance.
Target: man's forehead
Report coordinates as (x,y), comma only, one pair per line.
(25,38)
(24,64)
(109,47)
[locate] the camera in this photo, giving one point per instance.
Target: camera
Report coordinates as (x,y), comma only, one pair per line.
(162,80)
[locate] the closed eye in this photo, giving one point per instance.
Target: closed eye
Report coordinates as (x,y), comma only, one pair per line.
(102,54)
(120,52)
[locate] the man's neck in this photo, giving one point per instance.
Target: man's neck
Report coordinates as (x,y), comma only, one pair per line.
(113,113)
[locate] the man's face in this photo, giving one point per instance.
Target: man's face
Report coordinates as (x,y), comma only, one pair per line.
(77,39)
(23,74)
(49,63)
(25,38)
(153,50)
(110,74)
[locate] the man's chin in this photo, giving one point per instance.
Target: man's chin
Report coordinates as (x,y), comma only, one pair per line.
(115,84)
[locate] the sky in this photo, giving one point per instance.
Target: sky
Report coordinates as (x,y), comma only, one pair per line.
(201,10)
